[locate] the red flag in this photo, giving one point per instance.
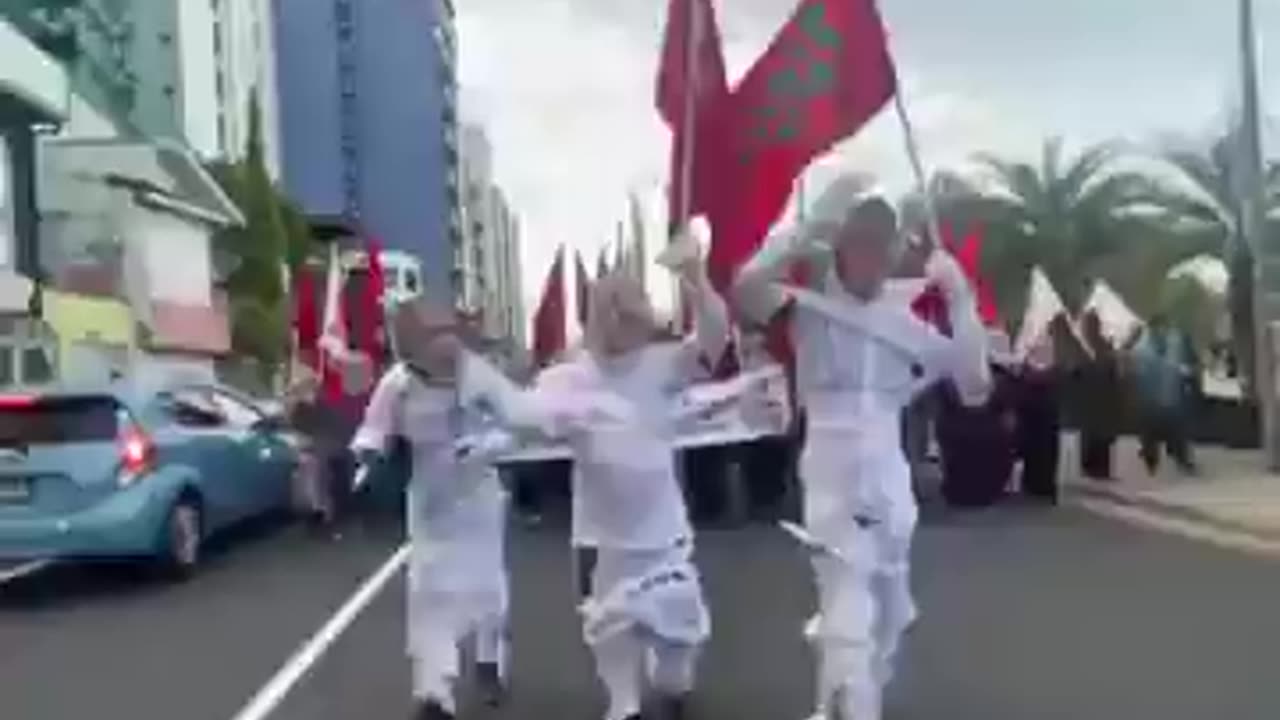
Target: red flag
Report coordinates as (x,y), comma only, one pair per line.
(548,322)
(306,317)
(372,331)
(931,305)
(827,72)
(583,289)
(969,256)
(692,87)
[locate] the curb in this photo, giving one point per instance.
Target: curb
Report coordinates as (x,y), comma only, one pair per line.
(1175,510)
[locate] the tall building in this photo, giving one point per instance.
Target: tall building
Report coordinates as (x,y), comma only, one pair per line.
(176,69)
(197,64)
(116,225)
(244,53)
(489,258)
(368,99)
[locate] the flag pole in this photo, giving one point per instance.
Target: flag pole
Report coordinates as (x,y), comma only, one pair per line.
(688,136)
(1254,220)
(917,167)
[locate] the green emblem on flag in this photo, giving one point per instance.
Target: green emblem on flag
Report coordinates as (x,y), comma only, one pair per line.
(808,72)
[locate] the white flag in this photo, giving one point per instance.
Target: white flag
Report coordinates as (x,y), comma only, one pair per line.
(1044,305)
(333,333)
(1118,321)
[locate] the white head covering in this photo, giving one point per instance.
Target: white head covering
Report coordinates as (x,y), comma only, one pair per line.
(617,298)
(839,202)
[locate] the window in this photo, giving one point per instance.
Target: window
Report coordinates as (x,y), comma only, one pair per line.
(237,413)
(60,420)
(6,368)
(36,368)
(193,408)
(411,282)
(7,234)
(26,361)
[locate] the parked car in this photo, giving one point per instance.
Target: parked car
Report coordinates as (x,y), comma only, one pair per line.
(123,472)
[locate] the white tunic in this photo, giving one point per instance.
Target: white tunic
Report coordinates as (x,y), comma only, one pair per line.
(455,509)
(626,493)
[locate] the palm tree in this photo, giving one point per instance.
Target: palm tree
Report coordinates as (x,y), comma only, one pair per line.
(1074,217)
(1204,207)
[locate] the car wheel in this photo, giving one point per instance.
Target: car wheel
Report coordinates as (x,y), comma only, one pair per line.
(183,539)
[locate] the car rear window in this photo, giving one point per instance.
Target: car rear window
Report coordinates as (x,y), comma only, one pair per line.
(48,421)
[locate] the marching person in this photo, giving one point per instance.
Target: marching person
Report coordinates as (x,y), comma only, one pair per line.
(443,399)
(318,432)
(979,444)
(644,614)
(1101,400)
(1166,376)
(862,356)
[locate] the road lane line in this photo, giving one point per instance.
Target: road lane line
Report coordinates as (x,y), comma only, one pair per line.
(274,692)
(23,570)
(1220,537)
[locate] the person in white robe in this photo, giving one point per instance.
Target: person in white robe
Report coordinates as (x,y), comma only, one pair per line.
(644,618)
(447,401)
(862,356)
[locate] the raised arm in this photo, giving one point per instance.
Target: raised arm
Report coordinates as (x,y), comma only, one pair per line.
(710,316)
(511,405)
(756,294)
(967,362)
(710,319)
(381,417)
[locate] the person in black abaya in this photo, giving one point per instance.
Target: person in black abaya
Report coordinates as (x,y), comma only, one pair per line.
(1040,421)
(977,443)
(1101,401)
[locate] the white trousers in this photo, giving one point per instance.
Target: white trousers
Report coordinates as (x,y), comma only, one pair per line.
(860,506)
(865,606)
(645,623)
(446,627)
(457,592)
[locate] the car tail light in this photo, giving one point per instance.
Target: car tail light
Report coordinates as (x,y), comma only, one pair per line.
(137,454)
(16,401)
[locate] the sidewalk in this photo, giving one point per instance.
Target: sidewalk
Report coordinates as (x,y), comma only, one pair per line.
(1233,491)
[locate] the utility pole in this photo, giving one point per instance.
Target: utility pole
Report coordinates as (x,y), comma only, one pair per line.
(1266,263)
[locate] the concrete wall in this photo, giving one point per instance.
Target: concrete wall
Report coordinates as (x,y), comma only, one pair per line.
(175,255)
(95,336)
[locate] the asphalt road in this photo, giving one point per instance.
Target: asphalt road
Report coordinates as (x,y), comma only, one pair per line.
(1028,615)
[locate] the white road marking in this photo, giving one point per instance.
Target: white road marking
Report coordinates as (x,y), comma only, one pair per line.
(269,698)
(1221,537)
(23,570)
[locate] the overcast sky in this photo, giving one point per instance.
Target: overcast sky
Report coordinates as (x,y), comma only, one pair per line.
(565,88)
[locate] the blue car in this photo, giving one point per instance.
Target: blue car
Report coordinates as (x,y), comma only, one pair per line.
(125,473)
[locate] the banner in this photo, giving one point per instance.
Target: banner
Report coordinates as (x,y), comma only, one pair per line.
(745,408)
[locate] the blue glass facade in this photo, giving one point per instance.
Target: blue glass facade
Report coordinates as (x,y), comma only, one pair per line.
(368,95)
